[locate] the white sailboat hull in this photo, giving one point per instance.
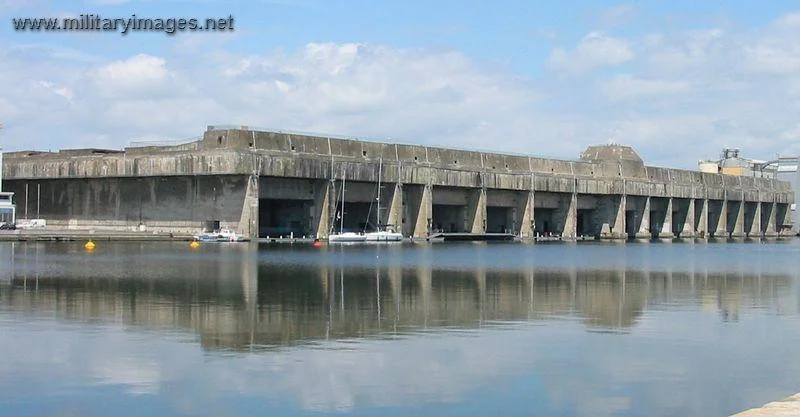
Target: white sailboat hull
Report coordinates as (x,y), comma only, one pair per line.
(384,236)
(347,237)
(376,236)
(223,235)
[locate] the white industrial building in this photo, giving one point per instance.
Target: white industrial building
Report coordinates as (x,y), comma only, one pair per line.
(8,210)
(782,168)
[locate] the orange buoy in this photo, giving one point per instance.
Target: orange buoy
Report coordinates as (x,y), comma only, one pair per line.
(89,245)
(194,245)
(316,244)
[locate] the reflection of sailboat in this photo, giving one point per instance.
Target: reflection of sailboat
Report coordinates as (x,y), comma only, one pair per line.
(342,236)
(378,292)
(385,233)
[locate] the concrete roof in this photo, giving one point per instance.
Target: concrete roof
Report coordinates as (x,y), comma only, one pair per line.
(611,152)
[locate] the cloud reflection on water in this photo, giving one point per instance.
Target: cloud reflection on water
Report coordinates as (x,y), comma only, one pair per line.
(313,336)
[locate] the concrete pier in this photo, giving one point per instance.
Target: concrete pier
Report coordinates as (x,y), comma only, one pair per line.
(270,184)
(788,407)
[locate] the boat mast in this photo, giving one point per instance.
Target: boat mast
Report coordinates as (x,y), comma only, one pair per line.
(380,169)
(341,218)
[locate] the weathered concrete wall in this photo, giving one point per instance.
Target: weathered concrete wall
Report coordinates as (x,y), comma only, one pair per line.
(226,152)
(171,204)
(154,185)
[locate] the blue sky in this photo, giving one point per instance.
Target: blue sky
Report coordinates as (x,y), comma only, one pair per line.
(677,80)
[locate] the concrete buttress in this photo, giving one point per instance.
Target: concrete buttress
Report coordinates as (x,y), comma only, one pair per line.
(735,218)
(248,222)
(685,213)
(394,215)
(701,218)
(524,214)
(718,219)
(768,214)
(567,215)
(418,210)
(665,230)
(476,211)
(612,213)
(323,208)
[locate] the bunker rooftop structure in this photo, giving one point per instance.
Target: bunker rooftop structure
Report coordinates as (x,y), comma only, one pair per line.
(270,184)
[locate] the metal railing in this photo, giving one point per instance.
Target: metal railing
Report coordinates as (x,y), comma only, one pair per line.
(163,142)
(386,140)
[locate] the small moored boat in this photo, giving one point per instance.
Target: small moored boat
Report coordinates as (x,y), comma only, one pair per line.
(347,237)
(221,235)
(386,235)
(342,236)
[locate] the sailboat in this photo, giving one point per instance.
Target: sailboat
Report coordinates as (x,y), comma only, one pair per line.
(384,233)
(342,236)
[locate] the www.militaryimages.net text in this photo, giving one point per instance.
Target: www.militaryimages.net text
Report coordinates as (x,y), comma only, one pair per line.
(124,26)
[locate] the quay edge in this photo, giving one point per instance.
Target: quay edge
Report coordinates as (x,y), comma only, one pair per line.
(787,407)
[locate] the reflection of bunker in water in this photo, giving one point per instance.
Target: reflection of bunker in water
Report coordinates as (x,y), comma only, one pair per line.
(6,262)
(238,303)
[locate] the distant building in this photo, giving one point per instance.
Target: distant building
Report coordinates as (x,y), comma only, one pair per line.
(730,163)
(782,168)
(8,210)
(710,167)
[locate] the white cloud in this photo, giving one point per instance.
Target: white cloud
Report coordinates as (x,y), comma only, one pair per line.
(138,377)
(793,85)
(773,56)
(595,50)
(684,51)
(677,96)
(139,74)
(63,92)
(629,87)
(15,5)
(354,89)
(788,21)
(618,15)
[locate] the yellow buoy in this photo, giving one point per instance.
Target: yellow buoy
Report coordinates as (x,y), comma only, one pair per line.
(89,245)
(194,245)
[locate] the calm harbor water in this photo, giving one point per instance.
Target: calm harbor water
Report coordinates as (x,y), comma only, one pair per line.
(589,329)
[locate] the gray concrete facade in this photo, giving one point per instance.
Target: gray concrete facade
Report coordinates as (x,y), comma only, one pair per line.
(273,183)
